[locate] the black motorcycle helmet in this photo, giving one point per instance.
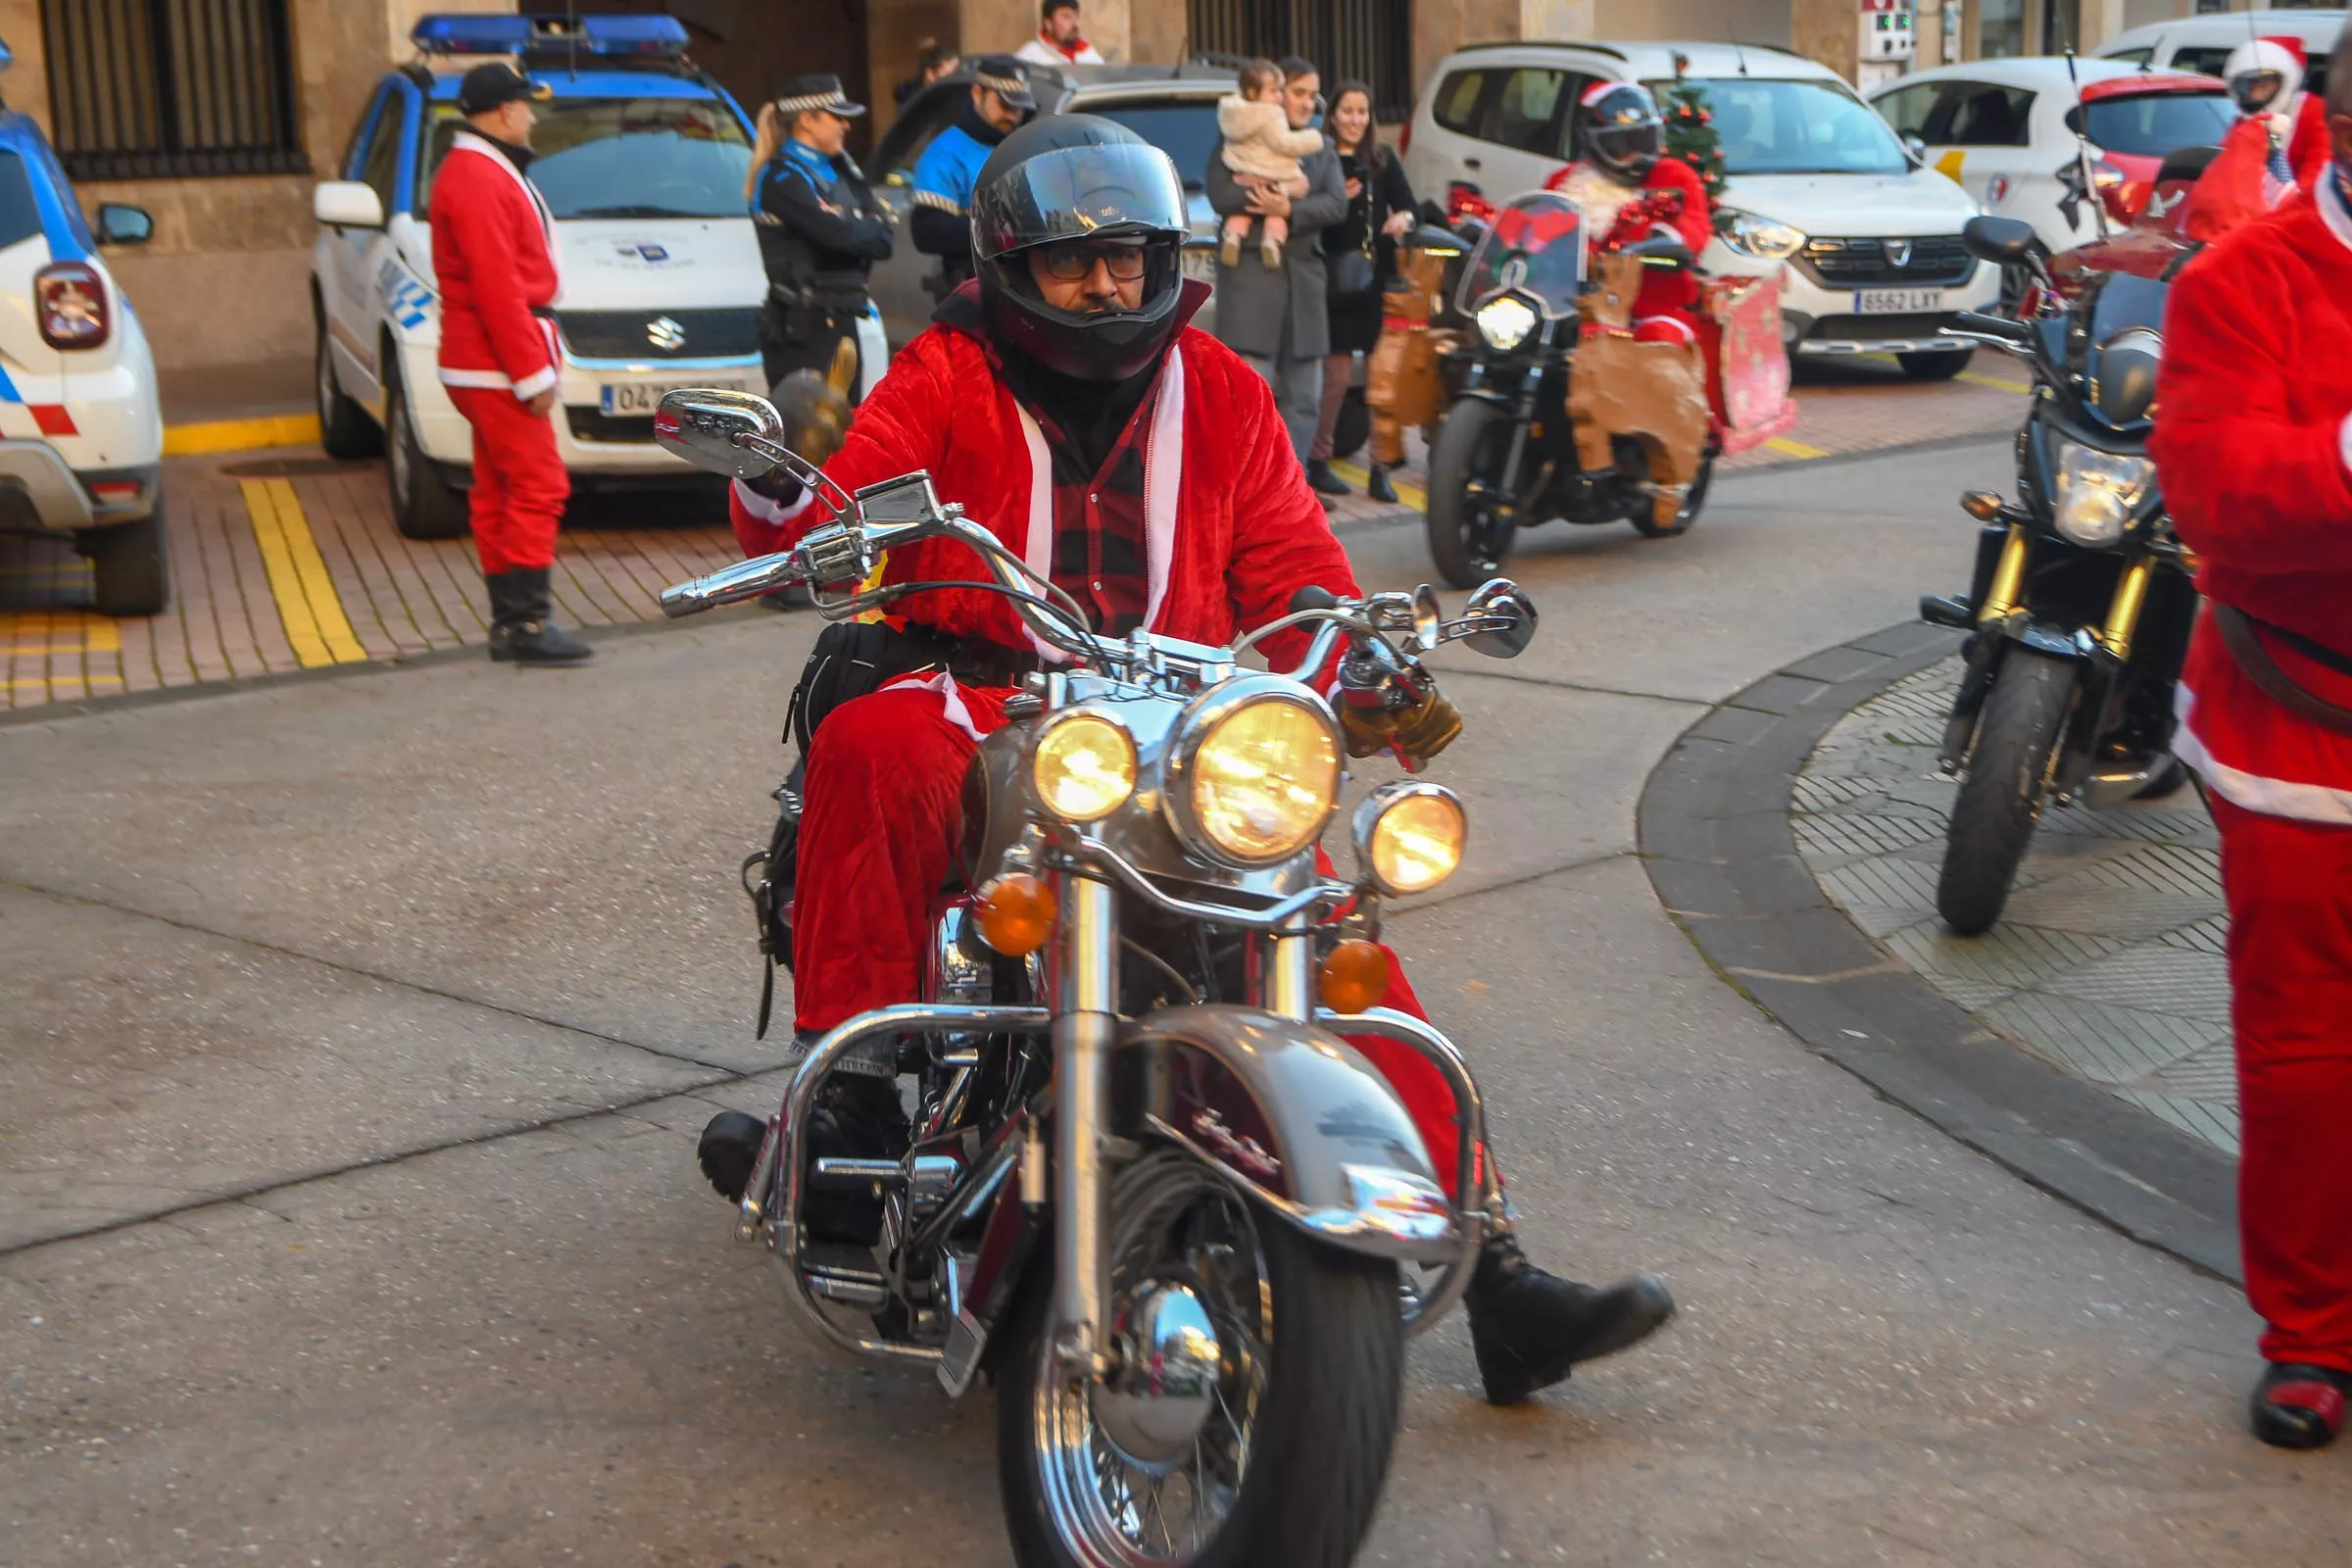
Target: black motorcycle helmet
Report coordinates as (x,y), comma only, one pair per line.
(1075,178)
(1622,130)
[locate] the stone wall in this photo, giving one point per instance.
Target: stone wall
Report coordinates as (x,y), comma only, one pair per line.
(225,279)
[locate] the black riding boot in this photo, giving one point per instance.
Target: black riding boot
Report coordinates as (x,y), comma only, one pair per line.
(856,1116)
(1527,1328)
(1378,486)
(521,628)
(1319,475)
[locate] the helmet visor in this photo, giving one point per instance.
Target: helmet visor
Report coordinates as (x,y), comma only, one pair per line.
(2257,90)
(1627,144)
(1079,193)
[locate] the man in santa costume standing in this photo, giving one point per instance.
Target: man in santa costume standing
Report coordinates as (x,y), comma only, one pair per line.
(2253,440)
(494,259)
(1063,400)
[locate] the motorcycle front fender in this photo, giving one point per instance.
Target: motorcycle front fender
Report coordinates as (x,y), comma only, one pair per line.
(1297,1118)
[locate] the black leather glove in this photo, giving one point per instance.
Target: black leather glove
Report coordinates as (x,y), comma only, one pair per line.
(1417,733)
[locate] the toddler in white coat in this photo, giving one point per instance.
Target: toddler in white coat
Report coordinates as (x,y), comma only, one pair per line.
(1261,150)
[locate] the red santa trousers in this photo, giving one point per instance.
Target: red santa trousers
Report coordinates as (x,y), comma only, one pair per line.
(884,792)
(2290,887)
(520,485)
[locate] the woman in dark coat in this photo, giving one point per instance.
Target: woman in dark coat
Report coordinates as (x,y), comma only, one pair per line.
(1380,208)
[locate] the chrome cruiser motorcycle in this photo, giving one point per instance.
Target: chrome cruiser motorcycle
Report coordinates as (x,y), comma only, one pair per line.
(1151,1188)
(2081,603)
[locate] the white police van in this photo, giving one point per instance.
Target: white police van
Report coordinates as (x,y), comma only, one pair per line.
(641,159)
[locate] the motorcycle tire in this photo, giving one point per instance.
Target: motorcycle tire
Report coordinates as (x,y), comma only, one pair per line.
(1466,543)
(1323,1399)
(1647,525)
(2000,797)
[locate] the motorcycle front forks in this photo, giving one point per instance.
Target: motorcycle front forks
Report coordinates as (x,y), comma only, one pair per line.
(1086,1022)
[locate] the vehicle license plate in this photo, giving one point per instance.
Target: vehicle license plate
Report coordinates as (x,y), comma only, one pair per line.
(1896,300)
(630,397)
(1201,261)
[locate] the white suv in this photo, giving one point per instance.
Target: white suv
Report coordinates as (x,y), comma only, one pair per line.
(1819,184)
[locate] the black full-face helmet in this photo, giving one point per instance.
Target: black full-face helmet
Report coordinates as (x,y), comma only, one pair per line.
(1075,178)
(1622,130)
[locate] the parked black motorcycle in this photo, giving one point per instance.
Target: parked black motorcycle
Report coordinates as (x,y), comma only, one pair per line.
(1505,459)
(2082,605)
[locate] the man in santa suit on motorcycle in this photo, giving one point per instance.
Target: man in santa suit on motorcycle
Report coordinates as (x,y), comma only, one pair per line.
(2274,154)
(1624,161)
(1063,398)
(2253,441)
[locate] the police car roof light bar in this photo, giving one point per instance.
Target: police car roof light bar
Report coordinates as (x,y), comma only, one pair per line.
(599,38)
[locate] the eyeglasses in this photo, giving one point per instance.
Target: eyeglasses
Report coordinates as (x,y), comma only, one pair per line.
(1071,263)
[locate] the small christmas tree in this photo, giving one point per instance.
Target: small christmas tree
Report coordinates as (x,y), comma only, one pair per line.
(1690,134)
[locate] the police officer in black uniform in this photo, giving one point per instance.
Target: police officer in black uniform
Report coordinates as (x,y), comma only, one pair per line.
(820,227)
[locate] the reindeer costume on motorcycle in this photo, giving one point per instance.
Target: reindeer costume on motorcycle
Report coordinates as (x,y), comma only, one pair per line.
(1140,464)
(1625,161)
(2254,445)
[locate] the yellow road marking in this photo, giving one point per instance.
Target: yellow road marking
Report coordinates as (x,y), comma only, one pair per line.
(239,435)
(59,631)
(317,629)
(1408,493)
(1793,449)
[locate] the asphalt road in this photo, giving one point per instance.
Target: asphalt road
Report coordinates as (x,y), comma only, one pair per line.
(355,1032)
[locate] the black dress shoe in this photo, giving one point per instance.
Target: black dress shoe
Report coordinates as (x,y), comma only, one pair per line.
(729,1148)
(1319,475)
(522,628)
(1527,1328)
(2300,1407)
(1378,486)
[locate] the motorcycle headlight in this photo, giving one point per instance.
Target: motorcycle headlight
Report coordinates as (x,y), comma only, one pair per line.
(1764,238)
(1408,837)
(2096,492)
(1504,321)
(1083,766)
(1256,772)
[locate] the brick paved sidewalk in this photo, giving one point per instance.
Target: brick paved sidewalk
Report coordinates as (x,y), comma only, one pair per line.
(2107,963)
(287,561)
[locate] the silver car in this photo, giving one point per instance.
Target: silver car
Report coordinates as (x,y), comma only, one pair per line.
(1174,107)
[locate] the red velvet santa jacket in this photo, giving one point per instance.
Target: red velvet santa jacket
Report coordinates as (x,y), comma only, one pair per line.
(1232,530)
(2253,441)
(1662,292)
(494,259)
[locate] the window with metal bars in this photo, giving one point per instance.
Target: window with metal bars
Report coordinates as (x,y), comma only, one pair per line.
(147,89)
(1371,40)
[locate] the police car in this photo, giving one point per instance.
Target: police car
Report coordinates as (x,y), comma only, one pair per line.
(81,433)
(641,159)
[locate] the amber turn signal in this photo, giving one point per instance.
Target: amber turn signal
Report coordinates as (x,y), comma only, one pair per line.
(1016,914)
(1982,504)
(1355,977)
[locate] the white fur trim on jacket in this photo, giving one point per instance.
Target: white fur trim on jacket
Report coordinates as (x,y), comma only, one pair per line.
(950,697)
(776,513)
(2271,797)
(1163,481)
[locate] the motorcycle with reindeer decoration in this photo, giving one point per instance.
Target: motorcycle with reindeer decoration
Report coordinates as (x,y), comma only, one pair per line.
(1152,1188)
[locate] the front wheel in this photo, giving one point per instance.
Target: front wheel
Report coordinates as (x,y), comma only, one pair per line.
(1645,518)
(2000,798)
(424,506)
(1276,1456)
(345,433)
(1471,522)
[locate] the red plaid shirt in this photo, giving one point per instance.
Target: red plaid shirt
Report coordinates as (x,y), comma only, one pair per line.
(1098,531)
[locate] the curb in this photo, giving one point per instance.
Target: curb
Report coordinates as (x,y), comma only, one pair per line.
(240,435)
(1714,836)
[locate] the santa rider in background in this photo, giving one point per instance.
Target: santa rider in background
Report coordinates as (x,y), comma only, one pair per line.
(1624,161)
(1063,399)
(2266,79)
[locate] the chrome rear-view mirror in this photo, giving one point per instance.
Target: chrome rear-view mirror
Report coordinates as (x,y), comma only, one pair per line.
(1500,620)
(735,433)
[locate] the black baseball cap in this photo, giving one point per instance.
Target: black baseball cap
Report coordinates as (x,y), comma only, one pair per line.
(495,82)
(1006,77)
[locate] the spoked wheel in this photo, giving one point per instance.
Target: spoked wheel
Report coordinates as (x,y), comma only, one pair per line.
(1471,519)
(1253,1419)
